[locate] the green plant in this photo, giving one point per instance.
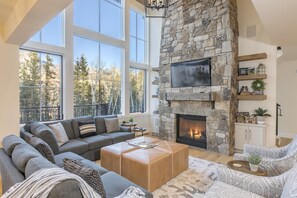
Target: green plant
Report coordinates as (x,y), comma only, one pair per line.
(258,85)
(261,112)
(254,159)
(131,120)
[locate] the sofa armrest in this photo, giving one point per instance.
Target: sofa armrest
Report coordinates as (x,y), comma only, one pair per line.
(264,186)
(125,129)
(46,134)
(264,151)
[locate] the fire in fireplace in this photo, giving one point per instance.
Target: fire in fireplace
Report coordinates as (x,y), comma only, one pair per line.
(191,130)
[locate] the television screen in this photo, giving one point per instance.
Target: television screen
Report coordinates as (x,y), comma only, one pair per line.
(191,73)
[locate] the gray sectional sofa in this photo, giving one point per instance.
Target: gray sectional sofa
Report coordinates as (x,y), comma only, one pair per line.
(19,160)
(88,147)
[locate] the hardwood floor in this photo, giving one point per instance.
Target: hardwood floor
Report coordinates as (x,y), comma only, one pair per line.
(210,156)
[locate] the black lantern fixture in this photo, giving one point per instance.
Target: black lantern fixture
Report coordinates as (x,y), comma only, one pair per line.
(155,8)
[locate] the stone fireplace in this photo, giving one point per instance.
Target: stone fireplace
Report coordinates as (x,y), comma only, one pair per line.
(193,30)
(191,130)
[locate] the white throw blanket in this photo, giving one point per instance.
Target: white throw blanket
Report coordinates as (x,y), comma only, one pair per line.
(40,184)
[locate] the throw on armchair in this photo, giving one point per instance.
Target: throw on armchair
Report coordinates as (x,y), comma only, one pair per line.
(275,160)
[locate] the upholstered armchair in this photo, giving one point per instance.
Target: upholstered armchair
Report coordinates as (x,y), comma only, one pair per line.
(275,160)
(233,184)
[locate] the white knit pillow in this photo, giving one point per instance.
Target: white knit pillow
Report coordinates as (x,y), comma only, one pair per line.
(59,133)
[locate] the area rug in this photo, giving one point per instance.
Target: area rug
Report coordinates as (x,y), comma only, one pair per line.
(196,179)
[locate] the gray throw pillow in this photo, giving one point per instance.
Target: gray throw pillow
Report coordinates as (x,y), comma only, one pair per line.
(43,148)
(59,132)
(112,125)
(87,129)
(87,173)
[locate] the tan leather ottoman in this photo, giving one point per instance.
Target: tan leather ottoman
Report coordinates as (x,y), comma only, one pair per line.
(111,156)
(180,155)
(148,168)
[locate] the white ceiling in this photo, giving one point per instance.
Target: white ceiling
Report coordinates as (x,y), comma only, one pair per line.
(6,7)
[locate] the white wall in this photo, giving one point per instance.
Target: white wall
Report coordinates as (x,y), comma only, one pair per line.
(9,89)
(287,97)
(247,17)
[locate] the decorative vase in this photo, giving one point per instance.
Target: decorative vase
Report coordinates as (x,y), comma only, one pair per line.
(260,120)
(254,167)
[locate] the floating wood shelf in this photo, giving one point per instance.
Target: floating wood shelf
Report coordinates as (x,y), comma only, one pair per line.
(252,57)
(156,69)
(155,96)
(251,77)
(251,97)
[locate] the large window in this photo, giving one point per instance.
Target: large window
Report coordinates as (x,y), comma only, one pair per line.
(137,78)
(137,37)
(104,16)
(52,33)
(40,86)
(97,78)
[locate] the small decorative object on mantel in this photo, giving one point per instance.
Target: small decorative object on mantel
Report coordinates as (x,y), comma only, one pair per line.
(241,116)
(261,114)
(254,161)
(258,87)
(251,71)
(261,69)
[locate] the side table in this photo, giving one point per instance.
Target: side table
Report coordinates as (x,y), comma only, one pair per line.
(244,166)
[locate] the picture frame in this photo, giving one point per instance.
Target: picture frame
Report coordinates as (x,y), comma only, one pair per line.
(251,71)
(243,71)
(241,117)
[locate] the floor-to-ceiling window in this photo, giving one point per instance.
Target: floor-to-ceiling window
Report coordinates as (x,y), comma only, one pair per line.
(90,41)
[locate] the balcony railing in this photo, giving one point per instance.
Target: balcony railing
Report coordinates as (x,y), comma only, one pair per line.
(29,114)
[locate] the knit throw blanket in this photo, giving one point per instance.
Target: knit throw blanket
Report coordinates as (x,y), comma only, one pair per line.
(40,184)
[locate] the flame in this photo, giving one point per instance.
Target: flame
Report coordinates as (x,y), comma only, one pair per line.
(195,133)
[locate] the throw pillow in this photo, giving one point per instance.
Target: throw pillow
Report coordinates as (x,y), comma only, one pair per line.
(90,175)
(112,125)
(59,133)
(87,129)
(43,148)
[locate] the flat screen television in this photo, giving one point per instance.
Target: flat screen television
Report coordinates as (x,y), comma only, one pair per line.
(194,73)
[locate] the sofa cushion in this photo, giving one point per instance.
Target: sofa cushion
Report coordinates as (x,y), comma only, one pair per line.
(36,164)
(223,190)
(60,161)
(42,147)
(120,136)
(87,129)
(90,175)
(67,124)
(112,125)
(22,154)
(59,132)
(115,184)
(75,145)
(10,142)
(46,134)
(98,141)
(75,126)
(100,123)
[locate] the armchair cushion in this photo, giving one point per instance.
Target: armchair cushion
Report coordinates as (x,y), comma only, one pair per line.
(223,190)
(264,186)
(264,151)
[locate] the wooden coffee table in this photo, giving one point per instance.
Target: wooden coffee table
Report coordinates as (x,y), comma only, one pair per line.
(245,167)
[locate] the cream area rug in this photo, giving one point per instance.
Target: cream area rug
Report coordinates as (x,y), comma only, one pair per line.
(196,179)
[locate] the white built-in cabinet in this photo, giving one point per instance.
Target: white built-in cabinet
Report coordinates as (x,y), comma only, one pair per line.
(249,134)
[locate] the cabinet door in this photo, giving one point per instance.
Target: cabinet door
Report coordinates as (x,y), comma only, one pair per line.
(241,133)
(257,136)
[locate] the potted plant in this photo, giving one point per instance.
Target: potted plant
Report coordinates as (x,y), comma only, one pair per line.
(131,120)
(254,161)
(258,86)
(261,114)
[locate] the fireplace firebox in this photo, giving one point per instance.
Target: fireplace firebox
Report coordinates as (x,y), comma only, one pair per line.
(191,130)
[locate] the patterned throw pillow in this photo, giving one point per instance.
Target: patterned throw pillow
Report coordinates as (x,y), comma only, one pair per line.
(90,175)
(112,125)
(87,129)
(59,132)
(43,148)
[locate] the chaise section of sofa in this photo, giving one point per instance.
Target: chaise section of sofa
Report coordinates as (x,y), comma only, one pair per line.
(88,147)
